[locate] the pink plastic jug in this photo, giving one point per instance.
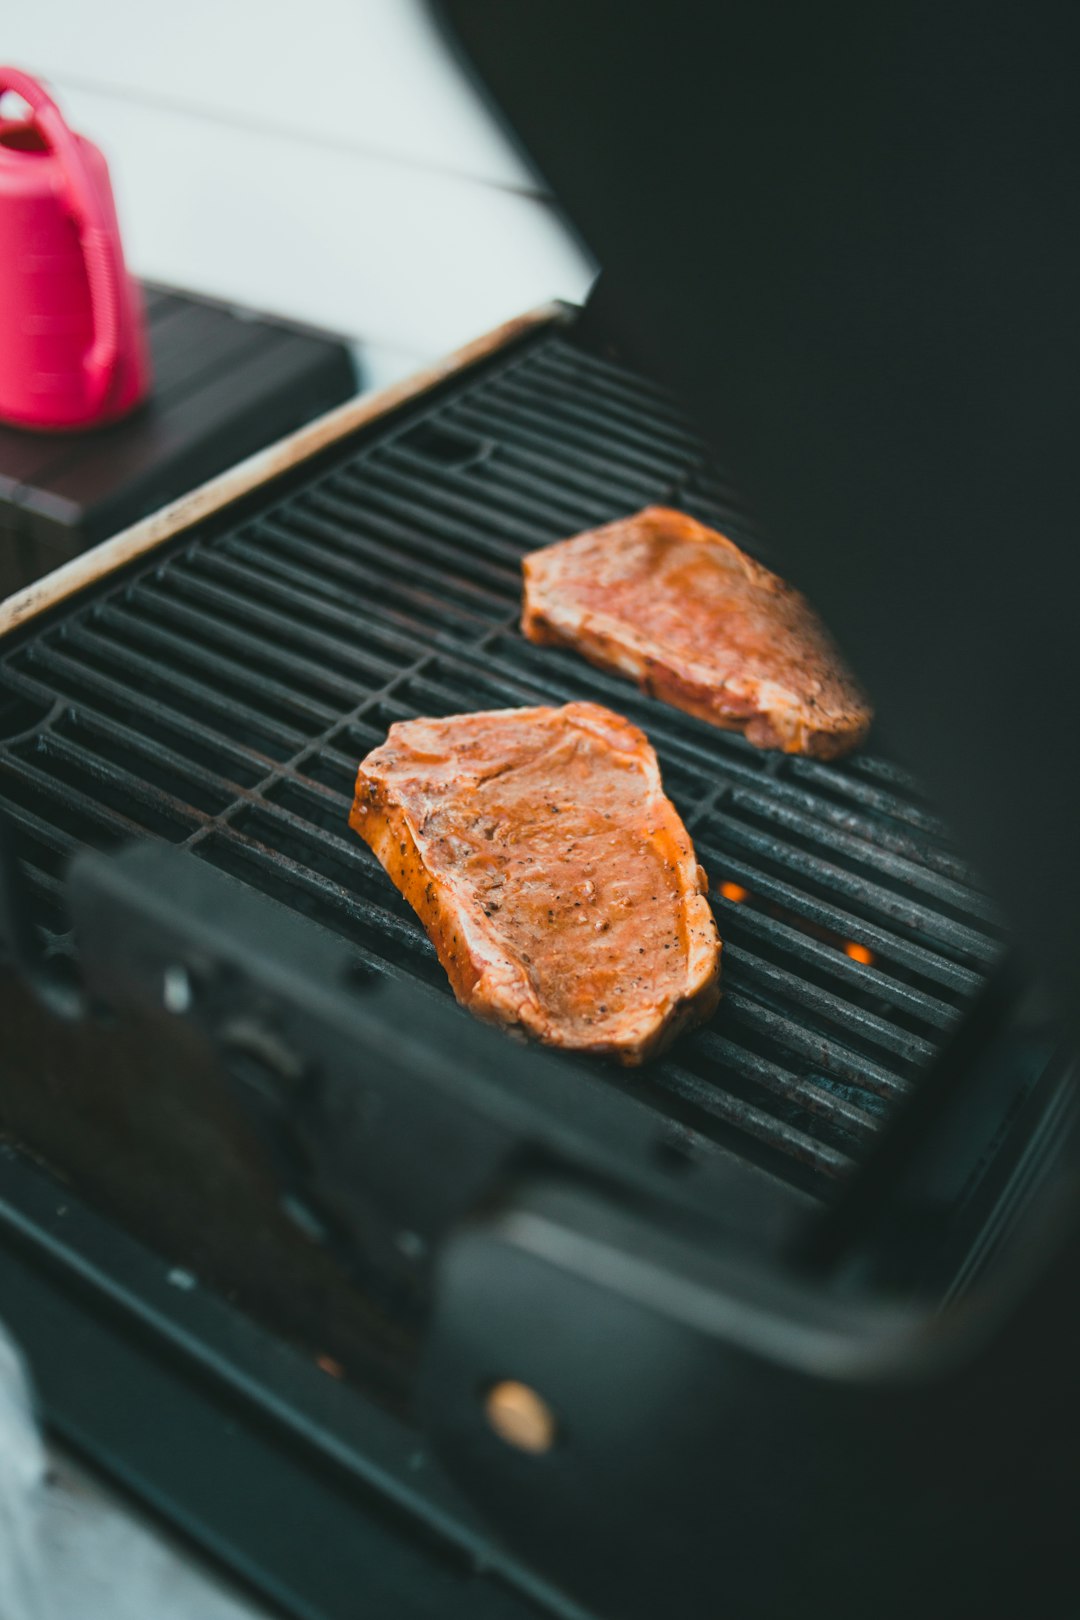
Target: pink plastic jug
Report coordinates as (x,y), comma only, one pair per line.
(72,334)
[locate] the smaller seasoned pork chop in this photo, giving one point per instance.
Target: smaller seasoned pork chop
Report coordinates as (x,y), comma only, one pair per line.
(696,622)
(554,877)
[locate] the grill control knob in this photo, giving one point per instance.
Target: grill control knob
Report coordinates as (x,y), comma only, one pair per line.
(520,1416)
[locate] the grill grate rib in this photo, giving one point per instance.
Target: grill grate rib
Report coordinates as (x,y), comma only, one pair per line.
(221,695)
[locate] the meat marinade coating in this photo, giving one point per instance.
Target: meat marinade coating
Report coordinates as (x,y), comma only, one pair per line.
(551,872)
(695,621)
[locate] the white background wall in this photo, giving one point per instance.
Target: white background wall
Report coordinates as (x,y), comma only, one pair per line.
(318,158)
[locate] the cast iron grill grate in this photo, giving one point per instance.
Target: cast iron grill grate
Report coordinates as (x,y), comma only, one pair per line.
(221,695)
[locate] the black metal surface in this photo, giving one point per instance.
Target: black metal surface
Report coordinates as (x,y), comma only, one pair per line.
(220,695)
(697,1382)
(319,1499)
(722,1448)
(556,1247)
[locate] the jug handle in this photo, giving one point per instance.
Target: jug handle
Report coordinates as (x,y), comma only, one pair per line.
(95,240)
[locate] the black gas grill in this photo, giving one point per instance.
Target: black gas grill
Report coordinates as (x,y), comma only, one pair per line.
(399,1316)
(300,1118)
(221,696)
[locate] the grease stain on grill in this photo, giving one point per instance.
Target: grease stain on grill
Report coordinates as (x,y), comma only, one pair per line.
(221,695)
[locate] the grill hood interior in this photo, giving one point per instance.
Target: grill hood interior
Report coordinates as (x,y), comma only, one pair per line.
(850,240)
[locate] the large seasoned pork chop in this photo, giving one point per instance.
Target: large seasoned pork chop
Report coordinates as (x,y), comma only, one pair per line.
(553,875)
(684,612)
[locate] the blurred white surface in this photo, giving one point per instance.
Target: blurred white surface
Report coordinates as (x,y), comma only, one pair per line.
(327,161)
(23,1469)
(102,1561)
(70,1550)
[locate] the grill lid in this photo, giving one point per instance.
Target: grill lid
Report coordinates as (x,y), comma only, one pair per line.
(850,238)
